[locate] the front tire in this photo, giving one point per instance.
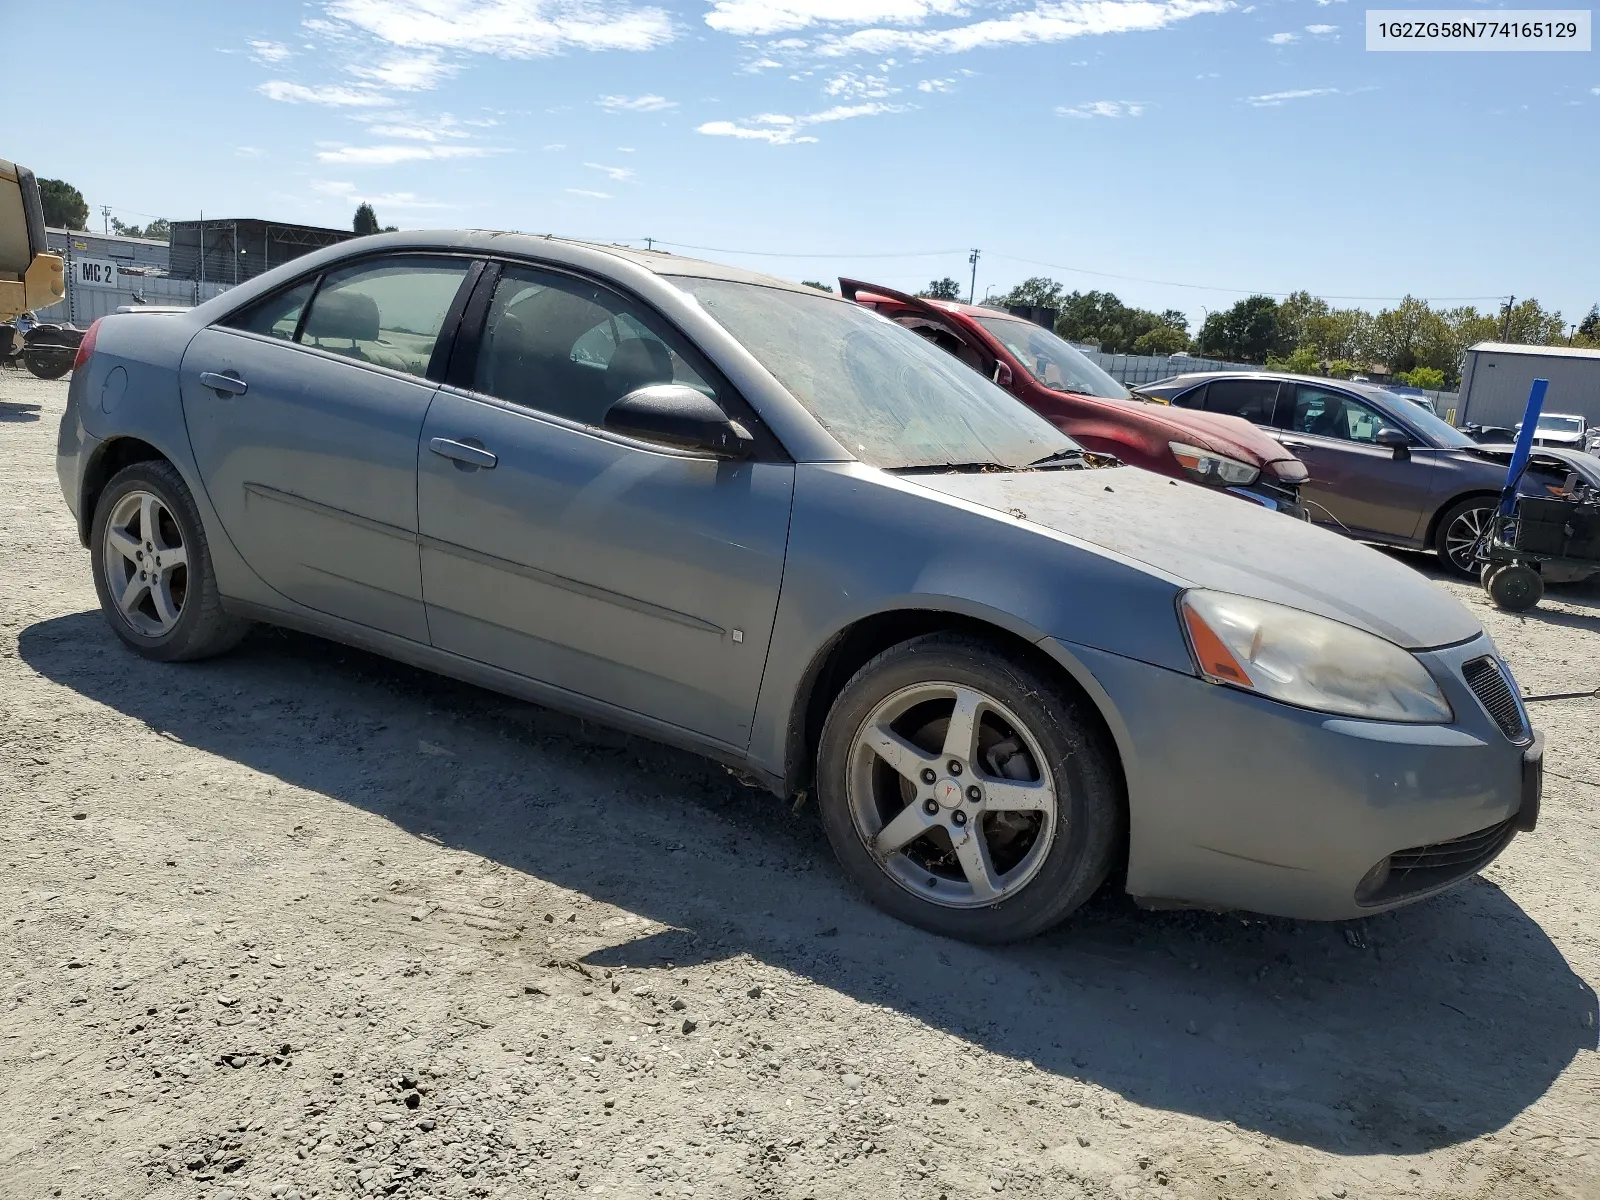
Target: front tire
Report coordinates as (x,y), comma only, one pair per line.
(152,568)
(967,792)
(1460,530)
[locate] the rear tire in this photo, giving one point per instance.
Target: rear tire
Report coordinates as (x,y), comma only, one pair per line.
(1460,529)
(152,568)
(1048,819)
(48,366)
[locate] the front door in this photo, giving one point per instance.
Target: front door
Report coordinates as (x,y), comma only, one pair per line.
(1355,484)
(646,578)
(304,412)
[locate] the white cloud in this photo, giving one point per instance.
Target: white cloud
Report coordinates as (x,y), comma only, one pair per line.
(1277,99)
(935,85)
(649,102)
(387,156)
(408,72)
(268,53)
(779,129)
(615,174)
(1320,30)
(417,133)
(1325,3)
(1282,39)
(335,95)
(554,146)
(624,149)
(859,87)
(508,28)
(348,191)
(1104,108)
(1045,22)
(249,152)
(762,17)
(591,195)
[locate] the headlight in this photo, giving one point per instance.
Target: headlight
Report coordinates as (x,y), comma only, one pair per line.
(1308,661)
(1206,466)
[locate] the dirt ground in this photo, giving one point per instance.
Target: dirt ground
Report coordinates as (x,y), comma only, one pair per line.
(303,922)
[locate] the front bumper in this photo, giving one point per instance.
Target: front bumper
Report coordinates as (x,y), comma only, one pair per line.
(1283,498)
(1238,802)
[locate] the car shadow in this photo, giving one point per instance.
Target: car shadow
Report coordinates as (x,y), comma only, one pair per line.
(1397,1034)
(12,413)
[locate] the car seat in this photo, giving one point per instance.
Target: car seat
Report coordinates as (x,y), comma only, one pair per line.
(342,316)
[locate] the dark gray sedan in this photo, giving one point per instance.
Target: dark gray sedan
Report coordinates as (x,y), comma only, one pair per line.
(763,523)
(1382,468)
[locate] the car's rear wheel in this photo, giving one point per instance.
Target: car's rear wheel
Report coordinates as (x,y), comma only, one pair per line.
(967,792)
(152,568)
(1460,530)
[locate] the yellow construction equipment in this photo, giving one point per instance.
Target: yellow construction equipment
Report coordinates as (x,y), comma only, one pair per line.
(30,276)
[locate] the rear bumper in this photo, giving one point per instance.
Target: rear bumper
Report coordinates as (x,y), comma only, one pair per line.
(1237,802)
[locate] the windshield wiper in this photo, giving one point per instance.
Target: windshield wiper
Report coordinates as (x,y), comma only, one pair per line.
(1061,456)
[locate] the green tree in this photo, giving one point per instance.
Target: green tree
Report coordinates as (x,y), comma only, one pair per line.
(1247,332)
(1429,379)
(366,220)
(159,230)
(942,289)
(1163,339)
(1302,360)
(1528,324)
(812,283)
(1177,319)
(64,205)
(1037,291)
(1589,327)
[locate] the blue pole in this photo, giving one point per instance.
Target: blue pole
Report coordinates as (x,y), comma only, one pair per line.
(1519,456)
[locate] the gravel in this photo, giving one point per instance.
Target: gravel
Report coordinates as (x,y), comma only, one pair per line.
(300,922)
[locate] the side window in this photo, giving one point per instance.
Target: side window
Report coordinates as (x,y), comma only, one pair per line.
(1193,398)
(572,349)
(1252,399)
(1330,414)
(386,311)
(277,316)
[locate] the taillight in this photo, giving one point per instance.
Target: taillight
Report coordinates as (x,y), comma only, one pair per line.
(86,347)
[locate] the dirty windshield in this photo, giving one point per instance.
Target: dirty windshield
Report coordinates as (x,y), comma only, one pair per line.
(1052,361)
(889,397)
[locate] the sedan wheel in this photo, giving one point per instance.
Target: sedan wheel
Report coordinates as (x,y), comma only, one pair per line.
(146,563)
(1460,531)
(152,567)
(967,790)
(946,789)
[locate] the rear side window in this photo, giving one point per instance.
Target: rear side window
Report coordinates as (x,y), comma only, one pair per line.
(1252,399)
(277,316)
(388,312)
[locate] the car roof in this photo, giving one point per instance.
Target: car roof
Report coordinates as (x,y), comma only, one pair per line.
(1374,391)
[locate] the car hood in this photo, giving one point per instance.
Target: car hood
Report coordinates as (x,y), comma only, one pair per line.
(1556,459)
(1199,538)
(1217,432)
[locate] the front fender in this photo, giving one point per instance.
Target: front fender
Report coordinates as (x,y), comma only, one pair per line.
(863,543)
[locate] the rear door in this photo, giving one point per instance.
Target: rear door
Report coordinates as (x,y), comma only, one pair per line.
(640,576)
(304,412)
(1355,483)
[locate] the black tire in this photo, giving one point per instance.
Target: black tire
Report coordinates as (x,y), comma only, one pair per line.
(49,365)
(1456,524)
(1516,588)
(201,629)
(1090,813)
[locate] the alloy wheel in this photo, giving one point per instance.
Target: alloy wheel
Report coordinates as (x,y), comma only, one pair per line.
(1462,537)
(146,563)
(949,792)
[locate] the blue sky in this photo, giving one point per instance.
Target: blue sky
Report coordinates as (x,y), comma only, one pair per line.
(1233,146)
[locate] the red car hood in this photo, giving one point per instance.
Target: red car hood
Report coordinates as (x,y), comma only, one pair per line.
(1231,436)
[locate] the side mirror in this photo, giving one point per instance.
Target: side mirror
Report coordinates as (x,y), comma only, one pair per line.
(679,416)
(1397,440)
(1002,374)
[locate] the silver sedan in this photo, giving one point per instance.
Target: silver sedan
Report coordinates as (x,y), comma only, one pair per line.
(751,519)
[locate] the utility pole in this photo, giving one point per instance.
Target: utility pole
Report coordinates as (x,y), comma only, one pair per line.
(105,216)
(972,288)
(649,243)
(1505,325)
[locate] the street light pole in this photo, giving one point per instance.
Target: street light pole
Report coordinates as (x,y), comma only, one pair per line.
(972,288)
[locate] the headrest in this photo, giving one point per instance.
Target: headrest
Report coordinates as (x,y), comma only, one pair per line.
(639,361)
(343,315)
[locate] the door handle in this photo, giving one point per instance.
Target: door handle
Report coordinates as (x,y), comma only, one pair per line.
(461,452)
(230,384)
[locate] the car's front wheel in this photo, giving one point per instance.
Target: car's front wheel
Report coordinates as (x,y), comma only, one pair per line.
(1459,532)
(152,567)
(966,791)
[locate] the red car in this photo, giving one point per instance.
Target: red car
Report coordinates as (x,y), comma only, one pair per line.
(1096,411)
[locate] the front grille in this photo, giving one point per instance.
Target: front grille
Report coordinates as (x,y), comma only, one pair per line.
(1423,868)
(1489,684)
